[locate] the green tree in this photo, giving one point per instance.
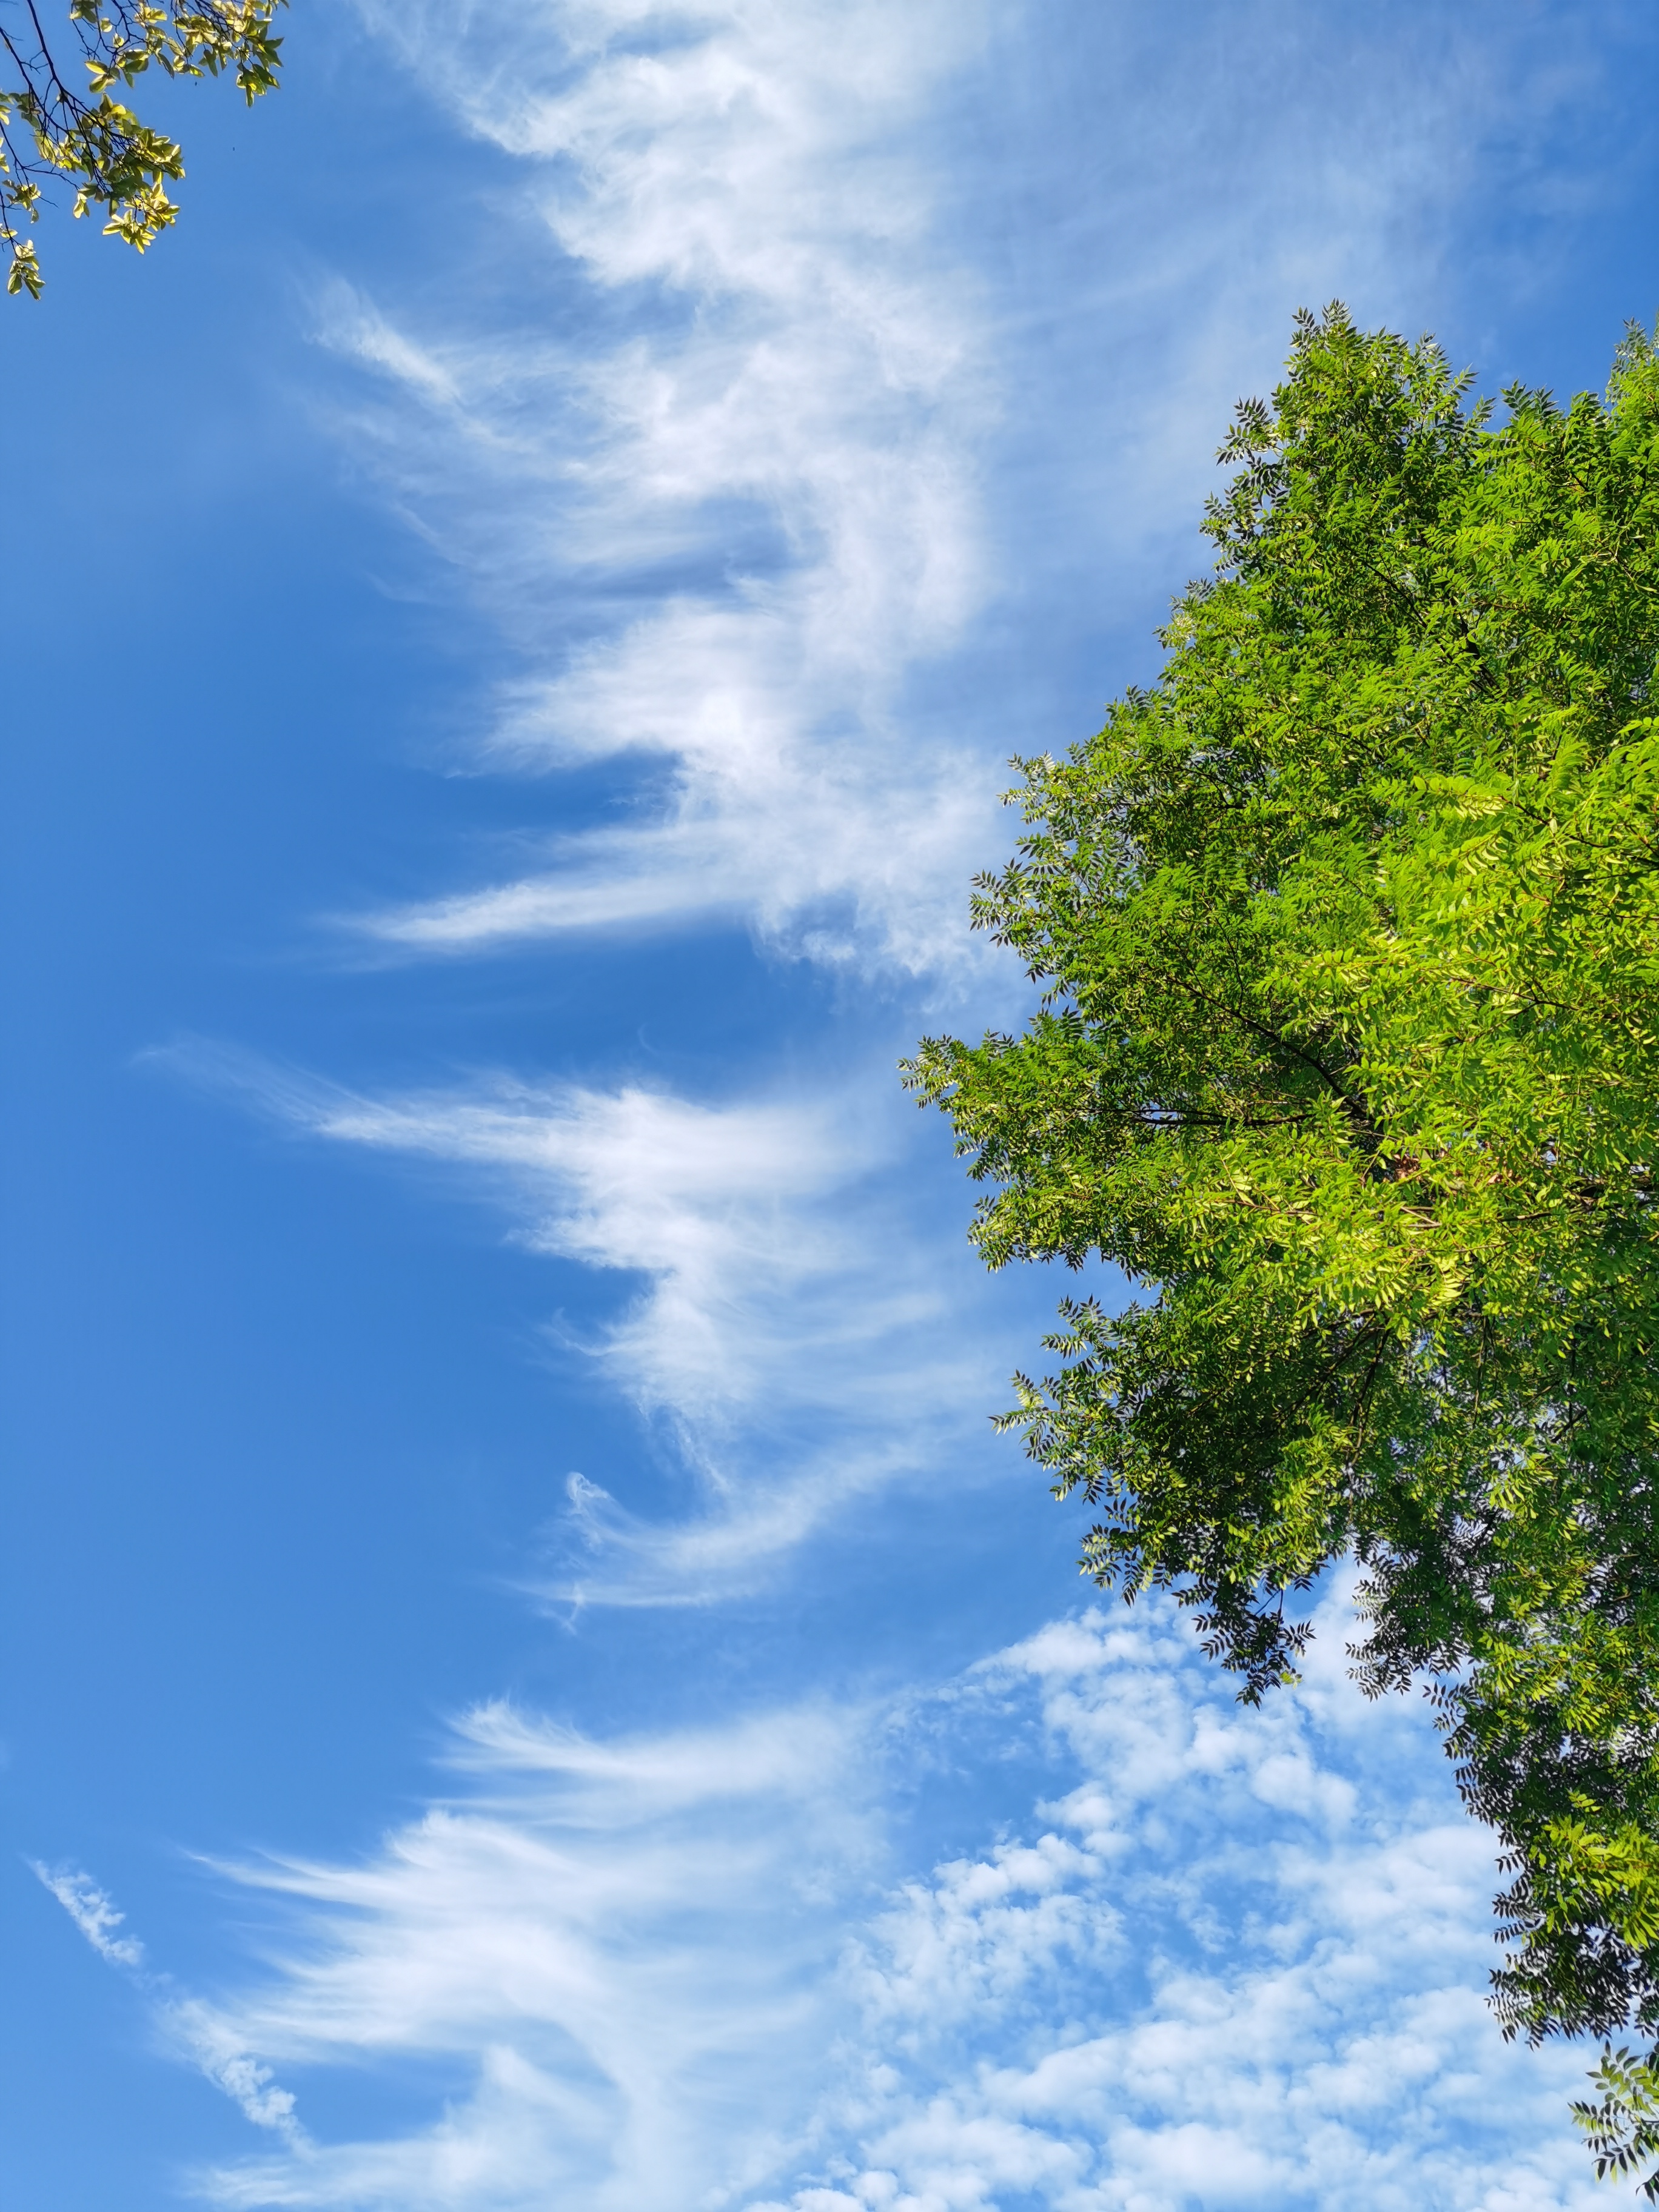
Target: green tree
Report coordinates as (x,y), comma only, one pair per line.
(1348,1056)
(53,129)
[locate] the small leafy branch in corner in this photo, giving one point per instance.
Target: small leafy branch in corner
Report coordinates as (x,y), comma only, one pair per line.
(1623,2129)
(89,138)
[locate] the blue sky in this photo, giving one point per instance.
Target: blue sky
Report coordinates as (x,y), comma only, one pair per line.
(528,1679)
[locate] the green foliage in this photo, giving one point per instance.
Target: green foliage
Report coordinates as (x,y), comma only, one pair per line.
(1349,1056)
(1623,2129)
(50,129)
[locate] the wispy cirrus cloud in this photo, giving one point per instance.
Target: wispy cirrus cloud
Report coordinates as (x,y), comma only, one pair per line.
(622,1954)
(774,455)
(798,1332)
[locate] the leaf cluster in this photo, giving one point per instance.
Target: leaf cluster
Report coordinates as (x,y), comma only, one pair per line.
(51,128)
(1622,2127)
(1348,1054)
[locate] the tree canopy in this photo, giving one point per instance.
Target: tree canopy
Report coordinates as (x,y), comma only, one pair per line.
(54,128)
(1348,1056)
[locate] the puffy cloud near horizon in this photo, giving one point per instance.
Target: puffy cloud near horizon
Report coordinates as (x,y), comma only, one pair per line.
(1242,1965)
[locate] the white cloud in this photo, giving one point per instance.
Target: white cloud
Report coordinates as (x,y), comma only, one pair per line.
(94,1912)
(209,2045)
(352,324)
(1240,1967)
(1178,1981)
(623,1952)
(803,1342)
(786,421)
(190,2027)
(722,1208)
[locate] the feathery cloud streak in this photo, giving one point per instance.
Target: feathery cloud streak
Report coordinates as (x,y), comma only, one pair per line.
(94,1911)
(622,1953)
(776,452)
(190,2027)
(798,1331)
